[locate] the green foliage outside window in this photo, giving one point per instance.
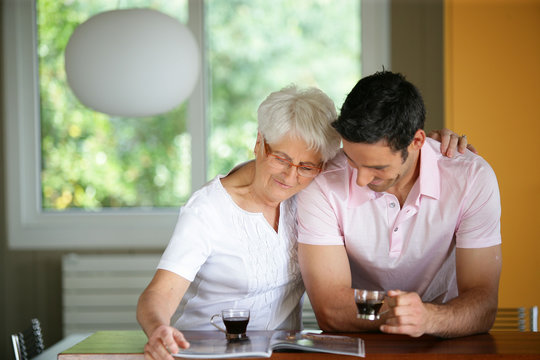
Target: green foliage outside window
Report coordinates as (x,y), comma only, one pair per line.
(92,161)
(260,46)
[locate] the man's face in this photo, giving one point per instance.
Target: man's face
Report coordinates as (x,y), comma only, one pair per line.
(379,167)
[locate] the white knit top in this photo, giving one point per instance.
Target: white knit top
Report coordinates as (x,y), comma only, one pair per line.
(234,258)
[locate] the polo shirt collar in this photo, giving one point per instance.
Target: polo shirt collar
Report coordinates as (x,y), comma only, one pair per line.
(429,177)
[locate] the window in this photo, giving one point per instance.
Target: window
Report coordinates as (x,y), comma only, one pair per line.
(93,161)
(310,43)
(58,173)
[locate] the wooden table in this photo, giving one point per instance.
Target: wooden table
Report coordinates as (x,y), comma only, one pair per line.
(128,345)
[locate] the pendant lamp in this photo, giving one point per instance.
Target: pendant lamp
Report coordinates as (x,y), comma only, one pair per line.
(132,62)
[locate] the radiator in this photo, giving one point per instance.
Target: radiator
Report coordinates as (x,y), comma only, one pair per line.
(100,292)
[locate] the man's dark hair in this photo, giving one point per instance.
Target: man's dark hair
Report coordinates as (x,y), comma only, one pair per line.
(382,106)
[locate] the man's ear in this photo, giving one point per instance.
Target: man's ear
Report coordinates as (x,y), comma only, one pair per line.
(418,140)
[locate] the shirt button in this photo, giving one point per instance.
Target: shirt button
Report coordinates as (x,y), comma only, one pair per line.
(395,229)
(392,205)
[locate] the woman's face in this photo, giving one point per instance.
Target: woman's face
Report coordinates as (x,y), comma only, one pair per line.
(279,179)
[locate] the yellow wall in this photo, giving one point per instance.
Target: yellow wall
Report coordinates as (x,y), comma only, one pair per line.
(492,94)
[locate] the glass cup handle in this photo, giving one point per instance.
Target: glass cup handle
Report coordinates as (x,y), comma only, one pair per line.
(387,308)
(216,325)
(385,301)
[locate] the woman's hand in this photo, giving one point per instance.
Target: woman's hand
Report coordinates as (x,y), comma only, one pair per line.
(450,142)
(156,305)
(163,342)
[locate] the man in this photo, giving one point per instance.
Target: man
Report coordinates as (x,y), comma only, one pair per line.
(391,213)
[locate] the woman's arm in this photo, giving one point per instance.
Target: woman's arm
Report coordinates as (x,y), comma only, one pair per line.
(155,308)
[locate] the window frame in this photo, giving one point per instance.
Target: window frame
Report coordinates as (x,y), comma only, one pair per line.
(28,227)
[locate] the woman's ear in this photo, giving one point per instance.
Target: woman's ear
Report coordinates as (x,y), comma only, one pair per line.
(258,143)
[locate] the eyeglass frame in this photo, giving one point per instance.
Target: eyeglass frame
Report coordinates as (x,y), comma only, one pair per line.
(268,152)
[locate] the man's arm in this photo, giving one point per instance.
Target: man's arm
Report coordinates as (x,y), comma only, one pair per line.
(155,308)
(327,277)
(472,311)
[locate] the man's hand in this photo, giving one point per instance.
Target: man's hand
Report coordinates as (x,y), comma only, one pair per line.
(163,342)
(407,314)
(450,142)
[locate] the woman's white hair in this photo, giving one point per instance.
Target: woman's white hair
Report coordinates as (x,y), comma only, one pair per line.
(301,113)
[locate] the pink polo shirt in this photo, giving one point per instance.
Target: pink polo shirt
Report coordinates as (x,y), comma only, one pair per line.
(455,202)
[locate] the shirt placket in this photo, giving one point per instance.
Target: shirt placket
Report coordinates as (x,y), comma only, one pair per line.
(398,222)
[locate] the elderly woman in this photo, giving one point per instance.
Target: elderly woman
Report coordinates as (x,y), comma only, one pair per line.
(235,241)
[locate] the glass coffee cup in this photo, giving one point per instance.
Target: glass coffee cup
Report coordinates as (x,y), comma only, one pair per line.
(235,321)
(369,303)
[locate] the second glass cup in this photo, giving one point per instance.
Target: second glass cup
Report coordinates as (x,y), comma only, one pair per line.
(369,303)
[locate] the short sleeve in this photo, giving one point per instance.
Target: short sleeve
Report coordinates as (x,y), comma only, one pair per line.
(189,247)
(479,224)
(318,223)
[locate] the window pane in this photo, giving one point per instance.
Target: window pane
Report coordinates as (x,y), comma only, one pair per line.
(259,46)
(91,160)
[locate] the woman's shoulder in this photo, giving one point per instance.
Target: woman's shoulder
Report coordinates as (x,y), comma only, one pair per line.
(223,192)
(211,195)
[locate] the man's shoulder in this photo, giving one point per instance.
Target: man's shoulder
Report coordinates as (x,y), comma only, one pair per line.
(337,165)
(459,163)
(332,182)
(467,171)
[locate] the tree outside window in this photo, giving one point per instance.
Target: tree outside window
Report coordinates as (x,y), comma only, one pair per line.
(92,161)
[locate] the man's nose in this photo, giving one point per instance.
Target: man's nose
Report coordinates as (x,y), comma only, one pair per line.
(364,177)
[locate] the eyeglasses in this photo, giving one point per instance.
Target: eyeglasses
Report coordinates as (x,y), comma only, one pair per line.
(280,163)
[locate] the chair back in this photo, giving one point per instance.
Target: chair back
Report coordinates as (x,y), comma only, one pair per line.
(28,343)
(518,319)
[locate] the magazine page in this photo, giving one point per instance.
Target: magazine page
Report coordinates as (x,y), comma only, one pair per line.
(318,342)
(256,345)
(261,344)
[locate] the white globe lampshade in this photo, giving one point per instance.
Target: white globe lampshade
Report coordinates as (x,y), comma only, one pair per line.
(134,62)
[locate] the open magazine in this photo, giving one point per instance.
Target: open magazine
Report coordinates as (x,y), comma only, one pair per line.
(263,343)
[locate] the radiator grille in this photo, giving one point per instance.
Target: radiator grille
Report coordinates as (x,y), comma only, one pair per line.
(100,292)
